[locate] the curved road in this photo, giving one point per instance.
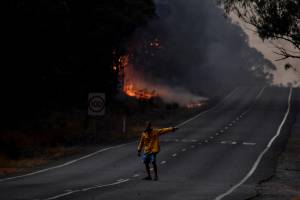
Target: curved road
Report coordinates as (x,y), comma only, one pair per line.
(221,154)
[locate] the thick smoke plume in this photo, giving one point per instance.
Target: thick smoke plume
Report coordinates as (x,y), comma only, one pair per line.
(190,45)
(136,85)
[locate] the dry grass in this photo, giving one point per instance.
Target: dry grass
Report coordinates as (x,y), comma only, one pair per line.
(8,166)
(296,198)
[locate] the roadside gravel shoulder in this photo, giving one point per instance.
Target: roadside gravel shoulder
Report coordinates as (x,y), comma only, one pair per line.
(285,184)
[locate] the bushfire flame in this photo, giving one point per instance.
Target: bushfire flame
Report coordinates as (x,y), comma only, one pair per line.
(135,85)
(132,81)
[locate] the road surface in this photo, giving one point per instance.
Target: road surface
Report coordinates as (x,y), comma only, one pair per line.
(221,154)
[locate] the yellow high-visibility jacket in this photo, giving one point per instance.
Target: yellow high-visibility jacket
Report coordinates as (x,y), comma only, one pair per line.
(150,141)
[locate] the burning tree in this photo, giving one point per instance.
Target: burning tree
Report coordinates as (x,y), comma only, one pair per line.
(132,82)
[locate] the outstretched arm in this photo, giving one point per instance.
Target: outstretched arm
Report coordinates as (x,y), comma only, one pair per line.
(166,130)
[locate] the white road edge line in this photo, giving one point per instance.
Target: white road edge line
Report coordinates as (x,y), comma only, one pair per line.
(258,160)
(86,189)
(112,147)
(65,164)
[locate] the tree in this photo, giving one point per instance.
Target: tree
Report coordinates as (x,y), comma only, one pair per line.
(273,19)
(55,52)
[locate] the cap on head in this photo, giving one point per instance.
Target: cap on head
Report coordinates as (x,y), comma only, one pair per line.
(149,126)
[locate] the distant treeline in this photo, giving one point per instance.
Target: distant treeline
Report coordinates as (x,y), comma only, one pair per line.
(55,52)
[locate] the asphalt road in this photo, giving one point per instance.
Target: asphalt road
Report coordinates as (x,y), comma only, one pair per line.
(221,154)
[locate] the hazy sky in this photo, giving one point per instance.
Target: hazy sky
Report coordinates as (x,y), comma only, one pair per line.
(281,76)
(199,47)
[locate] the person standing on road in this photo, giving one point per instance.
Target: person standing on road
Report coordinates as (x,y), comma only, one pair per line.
(150,143)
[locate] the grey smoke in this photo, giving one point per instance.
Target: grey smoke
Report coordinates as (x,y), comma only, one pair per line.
(200,48)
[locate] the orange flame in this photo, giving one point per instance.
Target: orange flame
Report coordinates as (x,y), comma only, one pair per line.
(133,81)
(193,105)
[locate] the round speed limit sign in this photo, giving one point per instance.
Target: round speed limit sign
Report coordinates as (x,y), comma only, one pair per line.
(96,104)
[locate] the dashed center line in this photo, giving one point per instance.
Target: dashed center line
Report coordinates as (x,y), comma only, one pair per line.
(174,155)
(163,162)
(249,143)
(183,150)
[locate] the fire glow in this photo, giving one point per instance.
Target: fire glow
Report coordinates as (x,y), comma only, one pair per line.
(193,105)
(133,84)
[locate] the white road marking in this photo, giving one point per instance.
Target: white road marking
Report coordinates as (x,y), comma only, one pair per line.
(233,142)
(65,164)
(86,189)
(136,175)
(249,143)
(211,137)
(223,142)
(258,160)
(221,130)
(174,155)
(163,162)
(183,150)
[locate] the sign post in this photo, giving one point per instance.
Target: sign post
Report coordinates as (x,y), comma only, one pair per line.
(96,109)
